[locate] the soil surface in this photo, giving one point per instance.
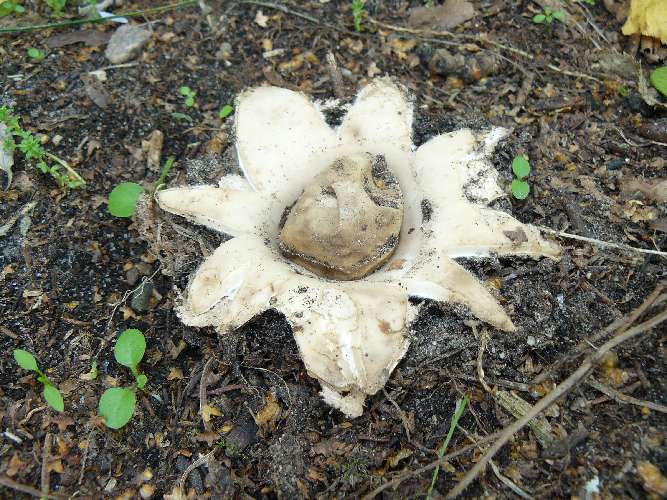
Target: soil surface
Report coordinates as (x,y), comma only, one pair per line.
(72,276)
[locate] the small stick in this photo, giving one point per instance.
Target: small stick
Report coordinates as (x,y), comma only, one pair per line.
(624,398)
(46,476)
(431,466)
(620,324)
(563,388)
(200,461)
(24,488)
(618,246)
(202,392)
(401,413)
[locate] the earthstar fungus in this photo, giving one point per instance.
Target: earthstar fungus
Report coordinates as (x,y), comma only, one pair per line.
(336,228)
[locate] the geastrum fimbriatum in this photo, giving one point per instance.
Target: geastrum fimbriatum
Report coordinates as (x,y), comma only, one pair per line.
(336,228)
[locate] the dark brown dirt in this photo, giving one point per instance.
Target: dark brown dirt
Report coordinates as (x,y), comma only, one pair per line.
(67,268)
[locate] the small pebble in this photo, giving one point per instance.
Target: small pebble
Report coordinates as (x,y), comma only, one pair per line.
(531,341)
(616,164)
(125,43)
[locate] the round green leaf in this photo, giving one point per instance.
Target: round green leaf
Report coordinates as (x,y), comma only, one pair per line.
(130,348)
(117,406)
(53,397)
(35,53)
(25,360)
(225,111)
(520,189)
(659,80)
(184,90)
(123,199)
(539,18)
(559,14)
(520,166)
(141,381)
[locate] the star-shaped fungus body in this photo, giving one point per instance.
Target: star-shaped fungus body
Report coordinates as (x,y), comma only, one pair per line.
(422,208)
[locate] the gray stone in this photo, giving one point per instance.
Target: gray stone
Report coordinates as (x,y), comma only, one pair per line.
(125,43)
(346,223)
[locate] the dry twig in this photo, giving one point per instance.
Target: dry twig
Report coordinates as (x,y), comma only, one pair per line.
(600,243)
(624,398)
(46,476)
(560,390)
(619,325)
(24,488)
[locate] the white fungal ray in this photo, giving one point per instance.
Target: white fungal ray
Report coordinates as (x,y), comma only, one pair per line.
(350,334)
(229,211)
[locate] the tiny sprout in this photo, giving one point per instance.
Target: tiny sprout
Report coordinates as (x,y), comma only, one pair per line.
(521,169)
(11,7)
(358,12)
(123,199)
(51,393)
(117,404)
(225,111)
(548,16)
(189,95)
(35,54)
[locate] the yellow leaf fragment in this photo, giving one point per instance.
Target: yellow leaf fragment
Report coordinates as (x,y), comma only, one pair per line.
(648,18)
(209,411)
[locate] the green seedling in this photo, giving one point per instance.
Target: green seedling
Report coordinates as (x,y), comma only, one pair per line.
(429,3)
(117,404)
(51,393)
(460,408)
(548,16)
(189,95)
(124,197)
(35,54)
(57,6)
(521,169)
(590,2)
(358,13)
(10,7)
(32,149)
(225,111)
(182,116)
(659,80)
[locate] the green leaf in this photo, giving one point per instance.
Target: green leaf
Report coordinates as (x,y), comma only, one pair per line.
(520,166)
(182,116)
(117,406)
(539,18)
(659,80)
(35,53)
(185,90)
(123,199)
(520,189)
(142,380)
(559,14)
(130,348)
(53,397)
(25,360)
(189,101)
(225,111)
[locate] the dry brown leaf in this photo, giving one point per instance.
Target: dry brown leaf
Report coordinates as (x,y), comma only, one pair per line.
(268,416)
(394,459)
(209,411)
(654,481)
(261,20)
(175,374)
(636,211)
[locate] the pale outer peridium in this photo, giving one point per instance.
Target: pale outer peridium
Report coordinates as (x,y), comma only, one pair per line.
(350,336)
